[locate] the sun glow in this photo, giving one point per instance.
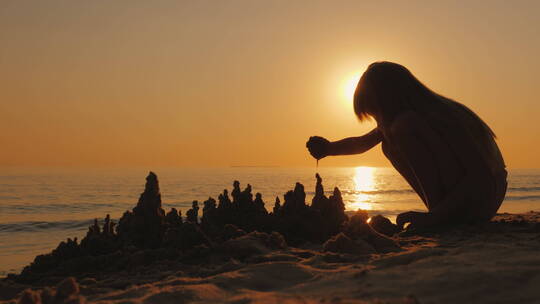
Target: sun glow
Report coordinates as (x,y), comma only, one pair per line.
(363,182)
(349,86)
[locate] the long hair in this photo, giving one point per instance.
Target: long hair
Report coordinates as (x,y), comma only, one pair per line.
(387,89)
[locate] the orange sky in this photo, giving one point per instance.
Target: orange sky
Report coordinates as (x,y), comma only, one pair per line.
(219,83)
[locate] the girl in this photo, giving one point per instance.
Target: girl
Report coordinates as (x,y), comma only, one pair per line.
(443,149)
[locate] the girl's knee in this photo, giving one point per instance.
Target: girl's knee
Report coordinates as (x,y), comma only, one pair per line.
(483,208)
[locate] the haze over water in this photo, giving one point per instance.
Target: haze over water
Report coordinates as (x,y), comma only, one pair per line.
(41,207)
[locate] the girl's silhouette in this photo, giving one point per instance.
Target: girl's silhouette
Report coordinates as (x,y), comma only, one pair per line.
(443,149)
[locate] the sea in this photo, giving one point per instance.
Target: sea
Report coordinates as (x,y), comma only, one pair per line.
(39,207)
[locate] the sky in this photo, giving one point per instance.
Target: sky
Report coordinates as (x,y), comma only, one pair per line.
(245,83)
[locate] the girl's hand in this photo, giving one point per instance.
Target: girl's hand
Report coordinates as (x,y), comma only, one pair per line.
(318,147)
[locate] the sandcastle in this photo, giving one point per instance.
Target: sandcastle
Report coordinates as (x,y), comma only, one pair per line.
(147,233)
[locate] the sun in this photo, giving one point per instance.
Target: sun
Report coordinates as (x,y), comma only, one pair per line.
(349,86)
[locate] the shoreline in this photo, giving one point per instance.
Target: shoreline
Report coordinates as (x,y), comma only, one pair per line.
(238,252)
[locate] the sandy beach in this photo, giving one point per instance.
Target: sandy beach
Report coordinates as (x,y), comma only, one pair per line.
(238,152)
(496,262)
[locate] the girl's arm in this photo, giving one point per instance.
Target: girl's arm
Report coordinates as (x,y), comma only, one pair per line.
(355,145)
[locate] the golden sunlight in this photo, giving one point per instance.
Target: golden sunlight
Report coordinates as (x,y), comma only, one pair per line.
(349,86)
(363,181)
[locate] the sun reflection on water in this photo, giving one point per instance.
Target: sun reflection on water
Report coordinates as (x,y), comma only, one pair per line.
(363,181)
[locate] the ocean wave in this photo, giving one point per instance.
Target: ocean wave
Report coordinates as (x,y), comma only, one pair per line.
(183,204)
(372,192)
(525,189)
(389,191)
(409,191)
(523,197)
(9,197)
(34,226)
(54,208)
